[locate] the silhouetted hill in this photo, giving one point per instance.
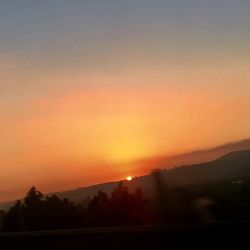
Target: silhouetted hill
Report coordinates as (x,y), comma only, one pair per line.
(232,166)
(82,194)
(195,157)
(235,165)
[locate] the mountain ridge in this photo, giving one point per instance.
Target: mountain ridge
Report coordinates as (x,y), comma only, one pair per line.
(233,165)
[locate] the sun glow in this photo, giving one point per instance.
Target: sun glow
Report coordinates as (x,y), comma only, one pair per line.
(129,178)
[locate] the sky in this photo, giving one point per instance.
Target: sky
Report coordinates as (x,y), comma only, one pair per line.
(88,88)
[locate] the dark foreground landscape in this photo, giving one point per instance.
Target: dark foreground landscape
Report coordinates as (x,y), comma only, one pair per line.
(166,215)
(213,236)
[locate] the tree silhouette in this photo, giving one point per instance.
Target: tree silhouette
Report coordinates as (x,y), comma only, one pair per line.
(38,212)
(122,208)
(33,198)
(13,219)
(98,210)
(33,210)
(127,208)
(61,213)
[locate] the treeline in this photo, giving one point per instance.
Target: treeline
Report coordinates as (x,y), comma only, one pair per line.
(39,212)
(219,201)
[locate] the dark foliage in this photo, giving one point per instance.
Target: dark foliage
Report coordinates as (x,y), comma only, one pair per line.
(219,201)
(37,212)
(122,208)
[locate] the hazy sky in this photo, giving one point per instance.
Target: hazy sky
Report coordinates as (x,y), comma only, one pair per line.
(88,87)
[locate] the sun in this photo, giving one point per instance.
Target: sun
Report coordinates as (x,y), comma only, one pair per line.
(129,178)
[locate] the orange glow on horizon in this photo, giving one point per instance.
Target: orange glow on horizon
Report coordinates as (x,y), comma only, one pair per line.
(108,131)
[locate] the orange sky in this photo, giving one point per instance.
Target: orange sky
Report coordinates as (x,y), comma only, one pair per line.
(85,95)
(95,135)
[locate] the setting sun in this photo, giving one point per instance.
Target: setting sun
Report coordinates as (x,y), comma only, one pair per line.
(129,178)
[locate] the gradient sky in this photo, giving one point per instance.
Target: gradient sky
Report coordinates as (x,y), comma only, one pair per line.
(89,87)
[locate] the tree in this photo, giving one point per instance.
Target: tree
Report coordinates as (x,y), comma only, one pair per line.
(98,210)
(127,208)
(33,198)
(61,213)
(13,220)
(37,212)
(121,208)
(33,209)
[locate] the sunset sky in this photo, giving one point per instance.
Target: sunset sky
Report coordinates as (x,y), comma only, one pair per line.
(88,87)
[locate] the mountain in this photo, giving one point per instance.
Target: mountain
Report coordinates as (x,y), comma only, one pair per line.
(235,165)
(232,166)
(194,157)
